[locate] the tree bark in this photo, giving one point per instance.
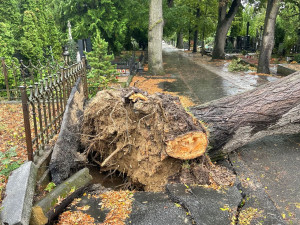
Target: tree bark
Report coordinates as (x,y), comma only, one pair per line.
(195,41)
(155,32)
(234,121)
(189,40)
(196,31)
(179,40)
(268,37)
(224,23)
(203,43)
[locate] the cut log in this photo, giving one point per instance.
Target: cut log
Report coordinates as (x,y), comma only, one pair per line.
(146,137)
(62,195)
(188,146)
(234,121)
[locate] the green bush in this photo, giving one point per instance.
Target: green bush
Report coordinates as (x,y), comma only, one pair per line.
(7,164)
(237,65)
(102,72)
(297,58)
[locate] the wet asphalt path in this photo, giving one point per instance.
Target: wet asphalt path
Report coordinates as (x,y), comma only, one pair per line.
(193,80)
(269,169)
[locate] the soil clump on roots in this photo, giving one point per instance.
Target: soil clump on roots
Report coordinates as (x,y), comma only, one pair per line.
(150,138)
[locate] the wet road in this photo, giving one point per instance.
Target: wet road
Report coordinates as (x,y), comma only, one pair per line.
(203,83)
(272,162)
(193,80)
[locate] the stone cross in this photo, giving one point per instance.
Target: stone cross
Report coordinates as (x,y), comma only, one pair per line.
(70,32)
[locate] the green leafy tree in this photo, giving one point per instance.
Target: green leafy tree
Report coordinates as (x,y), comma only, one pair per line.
(89,16)
(10,19)
(6,40)
(288,25)
(255,17)
(182,17)
(39,36)
(53,38)
(102,71)
(6,51)
(31,45)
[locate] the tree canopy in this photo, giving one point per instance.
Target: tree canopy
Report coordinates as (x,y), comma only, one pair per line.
(35,29)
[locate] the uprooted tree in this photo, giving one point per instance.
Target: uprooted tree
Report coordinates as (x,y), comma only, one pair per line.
(150,138)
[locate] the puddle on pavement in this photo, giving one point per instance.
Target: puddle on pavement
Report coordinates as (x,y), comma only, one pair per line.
(113,181)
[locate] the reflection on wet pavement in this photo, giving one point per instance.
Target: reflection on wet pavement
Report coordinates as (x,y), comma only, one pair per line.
(202,82)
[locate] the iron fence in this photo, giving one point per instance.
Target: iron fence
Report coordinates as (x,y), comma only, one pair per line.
(16,73)
(44,102)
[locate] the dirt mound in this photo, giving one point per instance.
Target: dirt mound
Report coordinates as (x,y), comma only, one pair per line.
(144,136)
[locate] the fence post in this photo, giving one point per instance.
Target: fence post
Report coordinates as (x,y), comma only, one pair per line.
(62,71)
(26,122)
(5,78)
(84,76)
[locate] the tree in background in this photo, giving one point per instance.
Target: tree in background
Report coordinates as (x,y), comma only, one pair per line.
(176,20)
(102,71)
(181,19)
(135,14)
(255,16)
(32,27)
(31,44)
(225,18)
(268,36)
(155,33)
(89,16)
(6,49)
(6,41)
(288,25)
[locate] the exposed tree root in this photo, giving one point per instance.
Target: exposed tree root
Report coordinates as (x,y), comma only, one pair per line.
(146,137)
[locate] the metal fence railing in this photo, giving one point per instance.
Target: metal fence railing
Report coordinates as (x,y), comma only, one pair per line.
(44,103)
(16,73)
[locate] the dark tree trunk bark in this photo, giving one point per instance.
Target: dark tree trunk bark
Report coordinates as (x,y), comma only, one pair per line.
(196,32)
(268,37)
(179,40)
(224,23)
(203,43)
(195,41)
(234,121)
(170,3)
(190,40)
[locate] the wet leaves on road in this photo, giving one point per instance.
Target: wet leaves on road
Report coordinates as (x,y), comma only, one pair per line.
(247,215)
(119,203)
(151,86)
(75,218)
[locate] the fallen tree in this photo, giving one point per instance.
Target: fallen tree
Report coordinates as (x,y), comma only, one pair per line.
(150,137)
(234,121)
(146,137)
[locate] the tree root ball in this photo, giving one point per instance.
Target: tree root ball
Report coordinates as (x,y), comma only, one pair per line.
(145,136)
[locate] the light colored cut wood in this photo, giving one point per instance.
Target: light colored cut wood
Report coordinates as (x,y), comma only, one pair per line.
(188,146)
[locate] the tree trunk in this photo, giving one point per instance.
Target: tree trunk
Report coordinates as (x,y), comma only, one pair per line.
(150,137)
(268,37)
(224,23)
(170,3)
(155,32)
(234,121)
(179,40)
(189,40)
(203,43)
(196,31)
(195,41)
